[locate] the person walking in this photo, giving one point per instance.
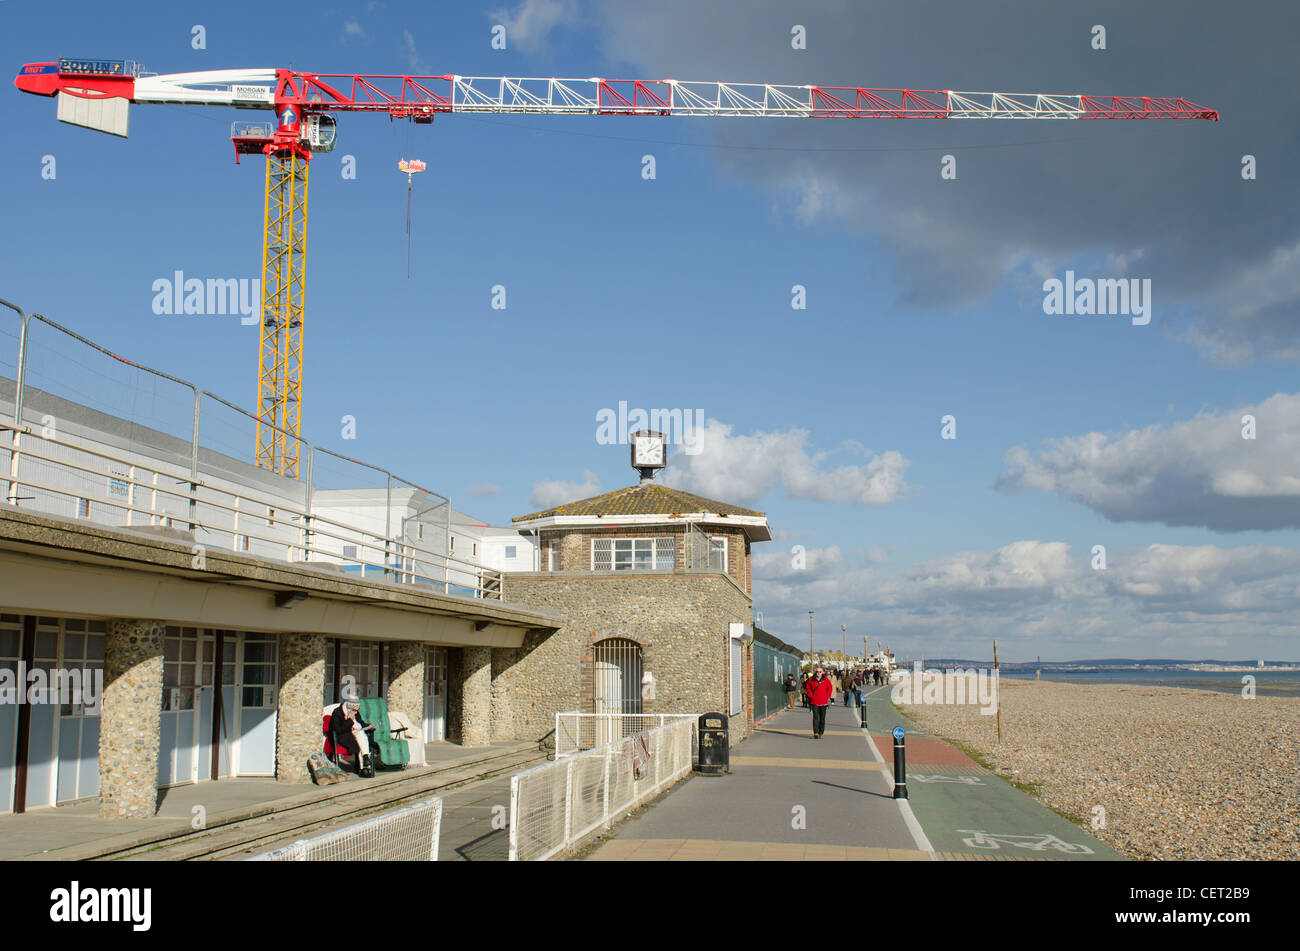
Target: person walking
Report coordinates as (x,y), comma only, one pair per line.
(846,685)
(819,690)
(790,689)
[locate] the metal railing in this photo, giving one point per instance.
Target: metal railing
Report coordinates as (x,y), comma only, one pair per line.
(576,732)
(556,805)
(699,552)
(147,477)
(409,834)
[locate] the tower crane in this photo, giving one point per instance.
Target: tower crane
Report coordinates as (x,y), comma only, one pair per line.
(98,93)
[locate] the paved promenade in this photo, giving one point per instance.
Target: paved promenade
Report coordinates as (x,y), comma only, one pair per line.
(790,797)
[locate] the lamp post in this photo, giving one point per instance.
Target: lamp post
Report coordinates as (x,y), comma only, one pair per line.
(810,642)
(844,641)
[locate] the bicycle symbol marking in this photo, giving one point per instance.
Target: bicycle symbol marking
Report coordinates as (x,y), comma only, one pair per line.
(939,778)
(1034,843)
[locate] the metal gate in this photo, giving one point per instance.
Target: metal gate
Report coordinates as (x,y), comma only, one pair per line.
(618,676)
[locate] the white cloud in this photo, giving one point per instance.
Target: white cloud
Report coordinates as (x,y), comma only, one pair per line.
(1197,472)
(1254,314)
(549,492)
(353,28)
(1035,598)
(787,565)
(530,23)
(484,489)
(743,468)
(1230,265)
(416,64)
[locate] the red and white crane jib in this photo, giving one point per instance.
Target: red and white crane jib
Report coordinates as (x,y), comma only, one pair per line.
(295,95)
(409,96)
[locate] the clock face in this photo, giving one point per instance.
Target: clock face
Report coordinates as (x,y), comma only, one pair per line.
(649,450)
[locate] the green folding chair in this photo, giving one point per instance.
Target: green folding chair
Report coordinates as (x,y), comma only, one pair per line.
(388,751)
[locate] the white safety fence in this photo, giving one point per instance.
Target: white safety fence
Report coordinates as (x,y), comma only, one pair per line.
(555,805)
(575,732)
(409,834)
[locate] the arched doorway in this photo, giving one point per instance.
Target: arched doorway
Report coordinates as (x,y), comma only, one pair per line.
(618,675)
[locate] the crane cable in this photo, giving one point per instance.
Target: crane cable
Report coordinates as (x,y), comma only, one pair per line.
(410,168)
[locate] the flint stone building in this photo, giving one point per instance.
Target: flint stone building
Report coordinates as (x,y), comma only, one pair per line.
(654,588)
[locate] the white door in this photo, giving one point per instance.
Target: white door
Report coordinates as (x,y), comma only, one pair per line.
(178,733)
(11,649)
(257,695)
(82,650)
(435,694)
(246,715)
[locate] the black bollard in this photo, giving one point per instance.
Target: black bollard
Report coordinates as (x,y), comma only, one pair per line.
(862,708)
(900,765)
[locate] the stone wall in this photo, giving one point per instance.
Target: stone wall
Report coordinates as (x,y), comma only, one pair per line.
(406,686)
(301,698)
(455,694)
(680,619)
(506,683)
(476,696)
(131,713)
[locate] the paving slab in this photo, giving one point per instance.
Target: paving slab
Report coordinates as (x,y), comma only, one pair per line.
(789,797)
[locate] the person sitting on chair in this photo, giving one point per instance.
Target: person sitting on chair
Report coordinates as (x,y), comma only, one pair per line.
(350,734)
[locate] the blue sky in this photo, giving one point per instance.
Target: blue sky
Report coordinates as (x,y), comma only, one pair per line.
(924,296)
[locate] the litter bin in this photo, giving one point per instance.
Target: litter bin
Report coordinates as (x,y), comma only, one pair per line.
(715,754)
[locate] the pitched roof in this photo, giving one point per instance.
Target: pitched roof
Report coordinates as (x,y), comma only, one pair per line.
(649,498)
(762,637)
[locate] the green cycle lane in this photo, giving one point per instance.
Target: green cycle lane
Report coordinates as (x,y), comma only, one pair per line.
(968,812)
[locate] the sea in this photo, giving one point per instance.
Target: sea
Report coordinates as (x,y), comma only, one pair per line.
(1276,683)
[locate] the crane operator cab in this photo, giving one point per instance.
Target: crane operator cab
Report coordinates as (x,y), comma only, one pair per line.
(319,132)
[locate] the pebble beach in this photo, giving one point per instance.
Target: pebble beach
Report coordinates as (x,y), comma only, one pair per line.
(1180,773)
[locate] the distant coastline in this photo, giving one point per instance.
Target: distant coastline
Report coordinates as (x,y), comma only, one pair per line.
(1267,681)
(1278,679)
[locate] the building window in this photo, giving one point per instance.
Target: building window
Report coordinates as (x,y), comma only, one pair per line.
(419,531)
(510,551)
(350,551)
(718,553)
(473,550)
(452,548)
(241,542)
(83,508)
(623,554)
(259,672)
(358,660)
(180,668)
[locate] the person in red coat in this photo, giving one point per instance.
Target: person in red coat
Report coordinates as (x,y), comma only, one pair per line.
(819,690)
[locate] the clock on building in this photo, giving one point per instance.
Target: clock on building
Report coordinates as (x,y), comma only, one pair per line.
(648,450)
